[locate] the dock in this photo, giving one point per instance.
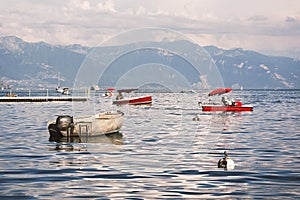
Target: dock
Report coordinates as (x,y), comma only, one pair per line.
(42,99)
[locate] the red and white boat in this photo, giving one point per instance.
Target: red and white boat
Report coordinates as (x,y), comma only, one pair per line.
(141,100)
(227,108)
(109,92)
(236,106)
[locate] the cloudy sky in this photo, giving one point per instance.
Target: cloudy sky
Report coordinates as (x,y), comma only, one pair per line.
(267,26)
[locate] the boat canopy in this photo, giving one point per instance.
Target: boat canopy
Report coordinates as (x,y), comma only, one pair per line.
(219,91)
(110,89)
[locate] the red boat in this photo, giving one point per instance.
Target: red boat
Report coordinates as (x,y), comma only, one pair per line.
(227,108)
(143,100)
(230,106)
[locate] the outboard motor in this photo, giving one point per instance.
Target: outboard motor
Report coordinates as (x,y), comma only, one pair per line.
(65,123)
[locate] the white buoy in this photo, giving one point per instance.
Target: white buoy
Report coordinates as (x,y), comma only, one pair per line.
(226,162)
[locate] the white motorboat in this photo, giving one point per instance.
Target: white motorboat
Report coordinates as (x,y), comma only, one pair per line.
(95,125)
(59,89)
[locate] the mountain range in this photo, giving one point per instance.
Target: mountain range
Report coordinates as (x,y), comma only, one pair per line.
(42,65)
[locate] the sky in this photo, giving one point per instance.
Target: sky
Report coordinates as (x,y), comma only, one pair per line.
(268,26)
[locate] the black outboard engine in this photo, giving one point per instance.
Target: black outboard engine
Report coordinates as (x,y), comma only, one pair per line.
(63,123)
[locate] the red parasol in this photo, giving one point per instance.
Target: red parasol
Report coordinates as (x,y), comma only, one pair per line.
(219,91)
(110,89)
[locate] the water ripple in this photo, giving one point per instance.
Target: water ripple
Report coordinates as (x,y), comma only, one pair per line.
(161,152)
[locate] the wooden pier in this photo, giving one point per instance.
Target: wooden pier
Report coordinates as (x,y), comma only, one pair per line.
(42,99)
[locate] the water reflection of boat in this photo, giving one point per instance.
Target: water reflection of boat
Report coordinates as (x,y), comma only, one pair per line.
(99,124)
(112,138)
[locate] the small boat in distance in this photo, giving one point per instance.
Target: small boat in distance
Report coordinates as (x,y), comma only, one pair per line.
(225,104)
(140,100)
(95,125)
(59,89)
(66,91)
(109,92)
(11,94)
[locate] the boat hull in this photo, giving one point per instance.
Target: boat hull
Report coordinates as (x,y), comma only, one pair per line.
(144,100)
(100,124)
(226,108)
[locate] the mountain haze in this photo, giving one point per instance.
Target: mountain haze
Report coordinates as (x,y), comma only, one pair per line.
(40,65)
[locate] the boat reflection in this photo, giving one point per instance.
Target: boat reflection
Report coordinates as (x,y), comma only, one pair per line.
(113,138)
(221,122)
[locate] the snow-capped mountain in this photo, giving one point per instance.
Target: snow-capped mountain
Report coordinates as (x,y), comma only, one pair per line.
(254,70)
(30,65)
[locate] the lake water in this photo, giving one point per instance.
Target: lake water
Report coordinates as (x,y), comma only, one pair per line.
(160,153)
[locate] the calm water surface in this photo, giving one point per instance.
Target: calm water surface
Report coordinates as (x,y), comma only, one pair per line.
(160,153)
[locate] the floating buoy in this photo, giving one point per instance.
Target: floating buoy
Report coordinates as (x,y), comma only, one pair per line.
(226,162)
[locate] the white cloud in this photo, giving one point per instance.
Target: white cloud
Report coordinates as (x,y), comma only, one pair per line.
(84,5)
(272,27)
(107,6)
